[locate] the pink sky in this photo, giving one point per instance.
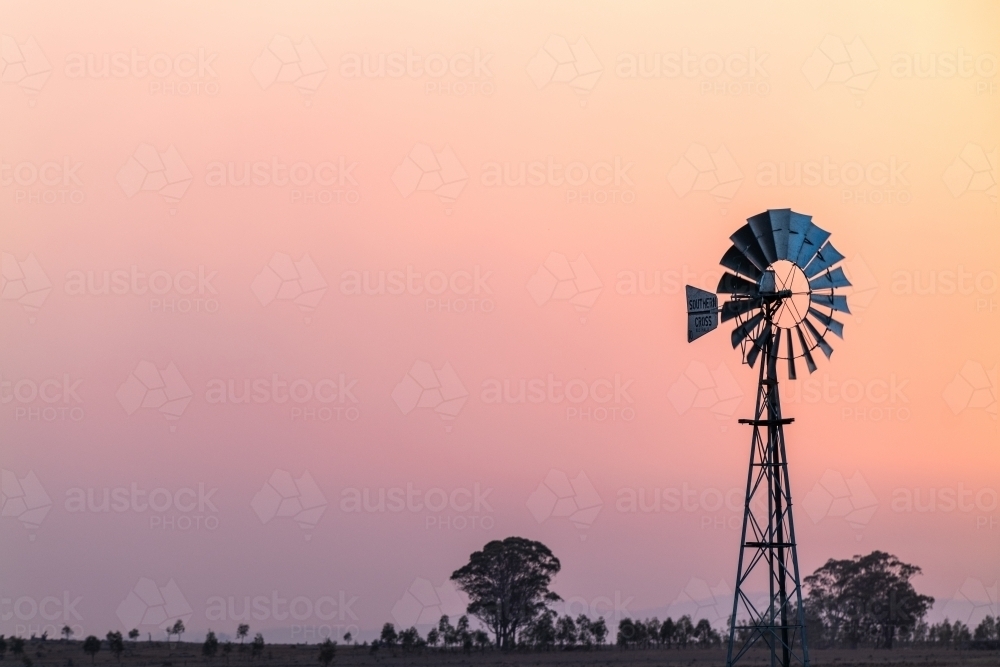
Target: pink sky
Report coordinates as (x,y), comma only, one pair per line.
(637,182)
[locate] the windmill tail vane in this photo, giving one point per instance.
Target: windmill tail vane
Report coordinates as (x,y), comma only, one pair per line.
(780,292)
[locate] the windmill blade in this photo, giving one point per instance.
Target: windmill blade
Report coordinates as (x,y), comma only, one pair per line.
(791,355)
(745,329)
(735,260)
(798,225)
(830,280)
(780,219)
(811,243)
(833,325)
(760,224)
(746,241)
(831,301)
(823,345)
(730,284)
(826,257)
(810,364)
(758,344)
(734,307)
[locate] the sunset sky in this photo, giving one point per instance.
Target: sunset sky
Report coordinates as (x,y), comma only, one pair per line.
(263,265)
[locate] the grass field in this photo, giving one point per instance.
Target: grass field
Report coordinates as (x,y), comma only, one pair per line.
(65,654)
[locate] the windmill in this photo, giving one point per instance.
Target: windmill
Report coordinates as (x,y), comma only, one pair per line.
(782,285)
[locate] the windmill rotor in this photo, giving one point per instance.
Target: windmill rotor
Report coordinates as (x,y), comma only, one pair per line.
(782,283)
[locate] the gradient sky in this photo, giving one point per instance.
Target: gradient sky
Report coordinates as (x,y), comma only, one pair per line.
(888,114)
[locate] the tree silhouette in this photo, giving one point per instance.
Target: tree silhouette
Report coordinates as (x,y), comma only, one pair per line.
(667,632)
(91,645)
(327,652)
(257,646)
(866,597)
(600,631)
(566,632)
(389,636)
(17,645)
(241,632)
(178,629)
(508,585)
(66,632)
(409,639)
(211,645)
(584,635)
(446,631)
(116,644)
(433,637)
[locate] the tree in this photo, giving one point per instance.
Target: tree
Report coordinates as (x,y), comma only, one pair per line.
(347,637)
(566,632)
(683,631)
(388,637)
(626,632)
(584,634)
(177,629)
(327,652)
(600,631)
(242,630)
(667,632)
(133,634)
(463,634)
(116,644)
(987,629)
(17,645)
(66,632)
(409,639)
(446,632)
(433,637)
(653,630)
(866,598)
(257,646)
(706,634)
(3,646)
(91,645)
(482,640)
(542,632)
(508,585)
(211,645)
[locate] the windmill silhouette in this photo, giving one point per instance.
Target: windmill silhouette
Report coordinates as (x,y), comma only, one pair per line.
(782,285)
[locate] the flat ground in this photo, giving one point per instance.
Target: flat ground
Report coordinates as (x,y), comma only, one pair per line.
(66,654)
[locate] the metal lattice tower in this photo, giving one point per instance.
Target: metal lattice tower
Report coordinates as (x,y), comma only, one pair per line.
(782,298)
